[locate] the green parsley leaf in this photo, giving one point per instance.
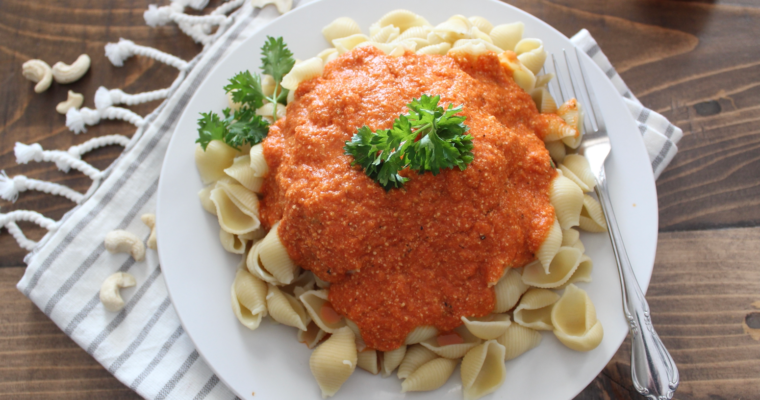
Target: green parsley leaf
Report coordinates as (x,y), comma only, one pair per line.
(246,89)
(245,127)
(276,59)
(428,139)
(210,127)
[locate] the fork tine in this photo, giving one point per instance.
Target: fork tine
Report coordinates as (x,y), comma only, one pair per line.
(559,80)
(591,96)
(579,87)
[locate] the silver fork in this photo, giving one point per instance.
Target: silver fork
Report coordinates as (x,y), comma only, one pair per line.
(653,371)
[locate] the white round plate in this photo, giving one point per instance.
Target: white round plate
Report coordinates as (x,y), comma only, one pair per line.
(269,361)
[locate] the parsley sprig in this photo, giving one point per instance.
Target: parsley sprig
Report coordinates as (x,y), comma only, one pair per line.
(244,126)
(427,139)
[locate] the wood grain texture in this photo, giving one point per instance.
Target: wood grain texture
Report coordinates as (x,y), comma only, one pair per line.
(696,62)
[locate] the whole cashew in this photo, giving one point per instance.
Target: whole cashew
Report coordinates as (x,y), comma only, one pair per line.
(150,220)
(109,290)
(74,100)
(64,73)
(120,241)
(40,72)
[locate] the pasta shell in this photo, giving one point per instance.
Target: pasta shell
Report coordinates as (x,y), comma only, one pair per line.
(267,110)
(549,247)
(483,370)
(453,29)
(248,299)
(241,171)
(314,301)
(285,309)
(571,175)
(274,257)
(557,129)
(557,150)
(544,100)
(333,361)
(475,46)
(255,267)
(267,84)
(582,273)
(258,162)
(304,282)
(403,19)
(543,79)
(574,320)
(311,336)
(506,36)
(570,237)
(481,23)
(476,33)
(420,334)
(303,71)
(508,291)
(416,32)
(320,283)
(440,49)
(429,376)
(592,217)
(391,360)
(232,243)
(325,56)
(212,162)
(517,340)
(232,218)
(349,42)
(368,361)
(205,197)
(567,199)
(415,356)
(453,351)
(386,34)
(533,60)
(489,327)
(562,267)
(243,198)
(534,310)
(526,45)
(581,169)
(340,28)
(572,113)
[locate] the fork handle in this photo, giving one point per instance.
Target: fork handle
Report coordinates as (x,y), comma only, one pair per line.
(653,371)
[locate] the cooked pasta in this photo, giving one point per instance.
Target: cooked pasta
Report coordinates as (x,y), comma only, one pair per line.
(333,361)
(430,375)
(269,282)
(212,161)
(340,28)
(562,267)
(508,290)
(517,340)
(415,356)
(488,327)
(535,308)
(574,320)
(483,370)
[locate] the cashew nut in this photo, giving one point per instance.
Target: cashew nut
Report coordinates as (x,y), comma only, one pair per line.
(109,290)
(64,73)
(120,241)
(40,72)
(150,220)
(74,100)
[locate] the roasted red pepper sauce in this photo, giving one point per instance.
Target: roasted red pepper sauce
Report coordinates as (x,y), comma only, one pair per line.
(429,253)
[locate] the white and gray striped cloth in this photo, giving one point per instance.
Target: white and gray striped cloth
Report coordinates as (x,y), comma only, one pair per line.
(144,345)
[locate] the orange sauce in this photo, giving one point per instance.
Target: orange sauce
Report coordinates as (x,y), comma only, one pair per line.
(429,253)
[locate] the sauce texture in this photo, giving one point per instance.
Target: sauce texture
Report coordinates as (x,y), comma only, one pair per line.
(429,253)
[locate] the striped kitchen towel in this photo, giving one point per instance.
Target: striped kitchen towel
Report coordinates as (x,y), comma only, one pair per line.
(144,345)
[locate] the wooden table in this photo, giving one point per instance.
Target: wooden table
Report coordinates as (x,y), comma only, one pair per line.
(696,62)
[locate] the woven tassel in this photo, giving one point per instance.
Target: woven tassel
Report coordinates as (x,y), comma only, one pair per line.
(9,222)
(11,187)
(64,160)
(118,52)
